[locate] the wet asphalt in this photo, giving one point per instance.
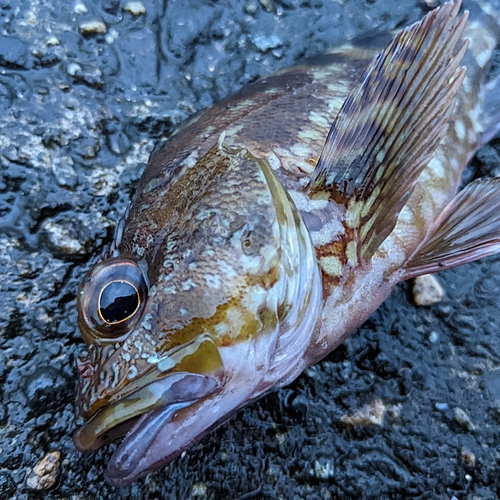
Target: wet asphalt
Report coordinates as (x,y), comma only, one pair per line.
(408,407)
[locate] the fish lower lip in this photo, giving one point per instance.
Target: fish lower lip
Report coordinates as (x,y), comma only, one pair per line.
(137,442)
(164,396)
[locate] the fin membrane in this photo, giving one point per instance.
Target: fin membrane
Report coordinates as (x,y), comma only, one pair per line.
(466,230)
(390,126)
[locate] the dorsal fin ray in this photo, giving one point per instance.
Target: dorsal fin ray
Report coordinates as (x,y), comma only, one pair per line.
(391,124)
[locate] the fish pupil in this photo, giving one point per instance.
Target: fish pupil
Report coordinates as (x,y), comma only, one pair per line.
(119,300)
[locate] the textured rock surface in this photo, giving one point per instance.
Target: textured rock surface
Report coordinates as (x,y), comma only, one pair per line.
(80,110)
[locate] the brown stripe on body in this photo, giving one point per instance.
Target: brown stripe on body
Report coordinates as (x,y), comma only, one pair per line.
(335,257)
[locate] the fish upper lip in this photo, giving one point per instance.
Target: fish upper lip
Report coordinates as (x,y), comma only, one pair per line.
(175,379)
(177,389)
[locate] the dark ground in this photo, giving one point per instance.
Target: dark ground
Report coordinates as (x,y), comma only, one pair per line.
(78,117)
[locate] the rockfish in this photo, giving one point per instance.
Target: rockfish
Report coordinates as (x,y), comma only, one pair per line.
(271,225)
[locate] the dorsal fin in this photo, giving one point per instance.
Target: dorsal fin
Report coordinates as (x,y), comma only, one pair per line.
(390,126)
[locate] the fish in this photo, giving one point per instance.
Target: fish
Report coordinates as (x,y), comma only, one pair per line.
(270,226)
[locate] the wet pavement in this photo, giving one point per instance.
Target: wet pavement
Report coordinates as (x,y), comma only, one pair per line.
(408,407)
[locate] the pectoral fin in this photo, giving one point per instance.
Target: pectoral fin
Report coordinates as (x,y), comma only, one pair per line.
(467,229)
(390,126)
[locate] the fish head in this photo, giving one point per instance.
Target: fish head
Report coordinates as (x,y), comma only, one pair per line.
(194,318)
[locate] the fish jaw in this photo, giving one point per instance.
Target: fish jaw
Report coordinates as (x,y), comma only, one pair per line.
(168,434)
(169,384)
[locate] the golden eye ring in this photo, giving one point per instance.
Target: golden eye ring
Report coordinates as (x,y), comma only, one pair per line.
(100,308)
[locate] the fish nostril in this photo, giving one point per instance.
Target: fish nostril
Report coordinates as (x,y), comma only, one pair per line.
(84,368)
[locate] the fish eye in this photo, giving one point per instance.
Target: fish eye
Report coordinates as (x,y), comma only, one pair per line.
(111,299)
(119,301)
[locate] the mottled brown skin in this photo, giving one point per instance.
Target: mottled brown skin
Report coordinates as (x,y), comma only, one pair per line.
(270,263)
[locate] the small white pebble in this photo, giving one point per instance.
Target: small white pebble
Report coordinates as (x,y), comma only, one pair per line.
(52,41)
(463,418)
(369,414)
(281,438)
(441,406)
(427,290)
(61,238)
(44,474)
(79,8)
(323,469)
(199,490)
(74,69)
(111,36)
(93,28)
(433,337)
(468,458)
(135,8)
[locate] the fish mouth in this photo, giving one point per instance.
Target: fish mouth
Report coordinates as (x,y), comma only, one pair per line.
(181,377)
(190,375)
(136,446)
(163,397)
(160,435)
